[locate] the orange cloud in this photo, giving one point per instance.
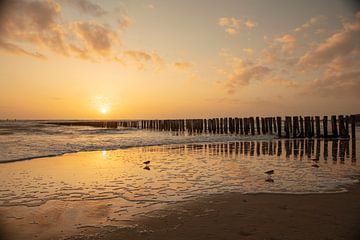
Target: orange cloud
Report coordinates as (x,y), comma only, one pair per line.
(182,65)
(85,6)
(288,42)
(95,36)
(243,73)
(342,43)
(233,25)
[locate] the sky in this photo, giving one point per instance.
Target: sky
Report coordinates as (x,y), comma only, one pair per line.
(140,59)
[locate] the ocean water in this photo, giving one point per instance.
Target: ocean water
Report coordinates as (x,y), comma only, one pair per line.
(22,140)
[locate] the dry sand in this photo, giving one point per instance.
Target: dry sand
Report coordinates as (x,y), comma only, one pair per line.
(253,216)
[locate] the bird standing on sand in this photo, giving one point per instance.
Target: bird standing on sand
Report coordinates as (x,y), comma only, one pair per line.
(269,173)
(315,160)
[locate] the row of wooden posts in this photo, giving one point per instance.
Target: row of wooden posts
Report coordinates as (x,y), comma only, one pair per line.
(291,127)
(294,127)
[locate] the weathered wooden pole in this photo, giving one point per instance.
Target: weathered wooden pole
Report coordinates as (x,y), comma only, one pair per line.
(325,128)
(275,127)
(263,128)
(252,126)
(278,119)
(258,129)
(241,126)
(341,126)
(301,127)
(312,127)
(334,126)
(308,127)
(237,125)
(270,125)
(226,125)
(317,126)
(287,126)
(295,126)
(353,126)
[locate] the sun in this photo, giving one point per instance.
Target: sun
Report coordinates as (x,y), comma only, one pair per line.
(104,109)
(102,104)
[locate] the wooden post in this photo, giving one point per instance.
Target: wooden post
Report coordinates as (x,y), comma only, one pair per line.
(270,125)
(217,125)
(317,126)
(312,127)
(346,125)
(263,128)
(325,128)
(252,126)
(301,127)
(246,126)
(307,127)
(334,126)
(287,126)
(353,126)
(241,126)
(295,126)
(226,125)
(275,127)
(258,125)
(278,119)
(341,126)
(237,125)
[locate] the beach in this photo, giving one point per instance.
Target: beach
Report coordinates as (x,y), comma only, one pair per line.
(211,190)
(250,216)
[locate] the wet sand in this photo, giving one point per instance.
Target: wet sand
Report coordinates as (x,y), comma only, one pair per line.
(252,216)
(185,194)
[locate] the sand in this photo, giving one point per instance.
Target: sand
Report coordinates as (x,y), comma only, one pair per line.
(252,216)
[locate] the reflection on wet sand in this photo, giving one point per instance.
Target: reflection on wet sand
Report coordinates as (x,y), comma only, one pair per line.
(298,149)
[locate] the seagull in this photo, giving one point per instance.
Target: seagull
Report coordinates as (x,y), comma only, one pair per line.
(147,167)
(147,162)
(269,173)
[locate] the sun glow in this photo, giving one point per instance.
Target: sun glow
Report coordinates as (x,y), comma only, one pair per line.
(104,109)
(102,104)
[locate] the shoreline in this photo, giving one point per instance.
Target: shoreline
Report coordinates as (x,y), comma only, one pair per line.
(248,216)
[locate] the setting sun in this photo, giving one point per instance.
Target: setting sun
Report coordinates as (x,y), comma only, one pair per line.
(104,109)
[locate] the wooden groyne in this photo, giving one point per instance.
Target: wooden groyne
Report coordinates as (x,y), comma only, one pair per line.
(341,126)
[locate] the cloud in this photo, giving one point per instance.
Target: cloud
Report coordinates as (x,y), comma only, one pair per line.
(31,22)
(124,22)
(250,24)
(288,43)
(95,36)
(182,65)
(343,84)
(86,6)
(140,58)
(310,23)
(342,43)
(248,51)
(243,73)
(234,25)
(14,49)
